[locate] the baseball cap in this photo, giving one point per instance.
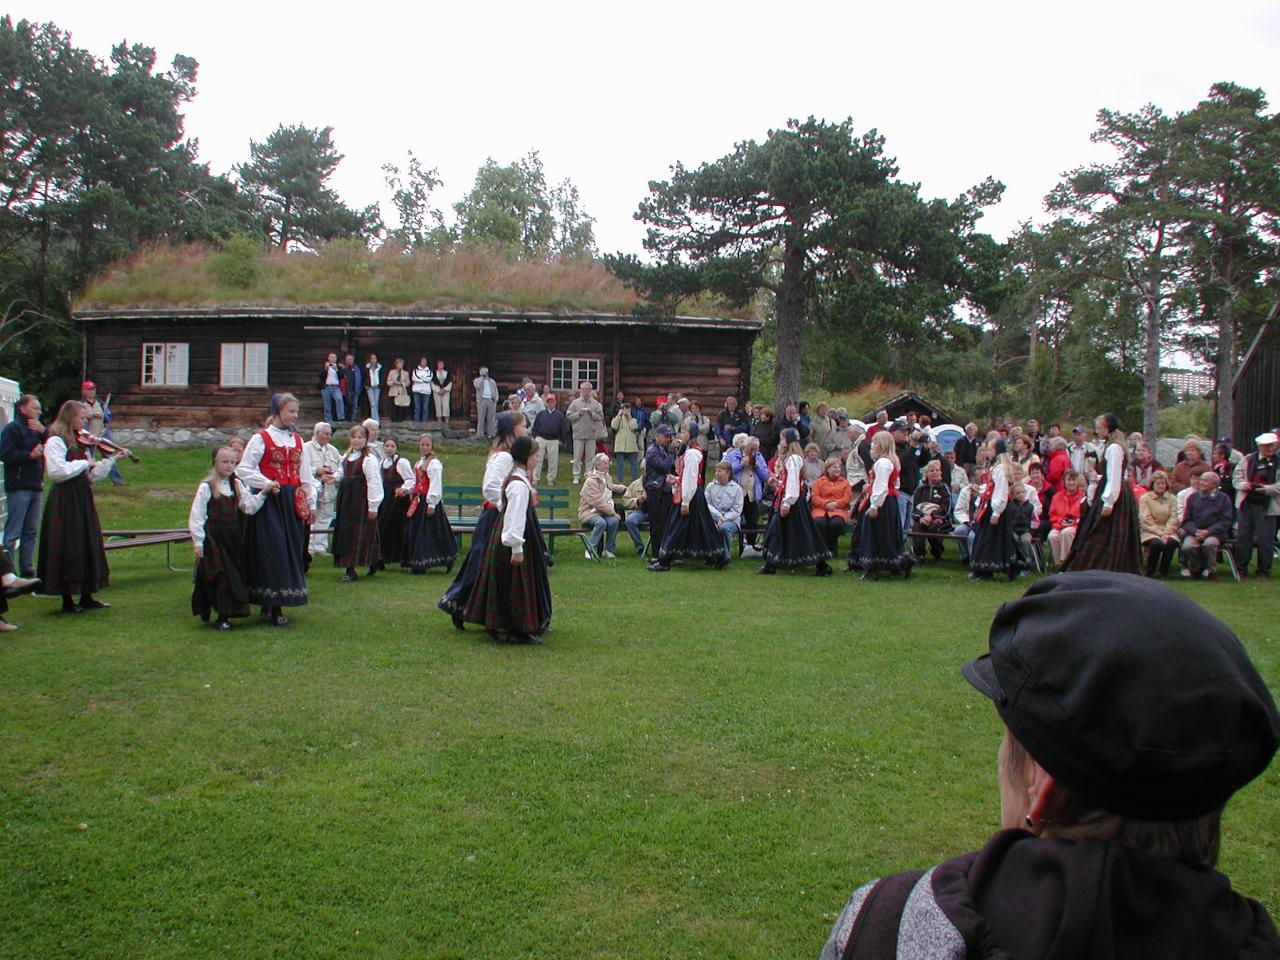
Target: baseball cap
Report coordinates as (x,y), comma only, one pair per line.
(664,430)
(1266,438)
(1130,694)
(88,385)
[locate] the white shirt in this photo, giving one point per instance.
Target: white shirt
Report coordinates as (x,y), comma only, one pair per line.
(330,374)
(403,471)
(435,473)
(855,471)
(881,471)
(496,472)
(372,478)
(328,456)
(421,379)
(689,475)
(999,491)
(1114,457)
(249,503)
(513,515)
(791,493)
(60,469)
(247,471)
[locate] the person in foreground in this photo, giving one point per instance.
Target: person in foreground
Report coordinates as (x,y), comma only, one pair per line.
(1131,716)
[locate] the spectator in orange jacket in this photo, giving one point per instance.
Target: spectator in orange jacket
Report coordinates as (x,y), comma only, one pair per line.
(831,497)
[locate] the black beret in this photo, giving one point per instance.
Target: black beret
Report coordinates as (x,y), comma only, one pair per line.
(1131,695)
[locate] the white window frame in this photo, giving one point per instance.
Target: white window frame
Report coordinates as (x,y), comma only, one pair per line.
(170,364)
(581,368)
(249,368)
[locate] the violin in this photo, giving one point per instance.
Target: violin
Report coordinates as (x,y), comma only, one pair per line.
(87,439)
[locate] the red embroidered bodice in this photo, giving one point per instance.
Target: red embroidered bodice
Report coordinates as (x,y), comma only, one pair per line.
(421,479)
(282,465)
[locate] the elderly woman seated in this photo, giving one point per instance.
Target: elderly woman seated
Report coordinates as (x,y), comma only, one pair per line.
(596,510)
(1131,716)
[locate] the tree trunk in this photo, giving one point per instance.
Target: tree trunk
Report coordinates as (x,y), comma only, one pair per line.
(790,327)
(1151,368)
(1226,369)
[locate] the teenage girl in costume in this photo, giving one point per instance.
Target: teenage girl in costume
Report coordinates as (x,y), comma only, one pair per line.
(428,540)
(217,524)
(355,525)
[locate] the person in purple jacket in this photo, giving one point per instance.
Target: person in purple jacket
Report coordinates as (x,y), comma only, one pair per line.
(1206,522)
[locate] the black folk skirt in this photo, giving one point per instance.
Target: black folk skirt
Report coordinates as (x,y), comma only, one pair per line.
(72,560)
(1107,543)
(516,599)
(392,522)
(994,548)
(879,543)
(427,541)
(276,552)
(693,536)
(220,582)
(794,540)
(454,601)
(355,536)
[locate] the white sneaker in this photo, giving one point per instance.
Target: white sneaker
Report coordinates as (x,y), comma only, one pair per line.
(588,555)
(609,555)
(1186,573)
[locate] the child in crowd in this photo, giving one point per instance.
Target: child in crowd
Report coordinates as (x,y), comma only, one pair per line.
(216,524)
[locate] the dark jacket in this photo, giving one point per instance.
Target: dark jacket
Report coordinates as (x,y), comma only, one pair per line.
(1213,513)
(940,494)
(766,431)
(658,464)
(909,477)
(551,425)
(21,471)
(798,425)
(729,425)
(966,451)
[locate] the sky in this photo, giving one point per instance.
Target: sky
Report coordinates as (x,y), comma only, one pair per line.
(613,94)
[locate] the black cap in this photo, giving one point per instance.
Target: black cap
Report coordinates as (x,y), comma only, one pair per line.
(1131,695)
(664,430)
(898,425)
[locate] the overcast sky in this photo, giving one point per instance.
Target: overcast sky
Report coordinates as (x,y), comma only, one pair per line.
(612,94)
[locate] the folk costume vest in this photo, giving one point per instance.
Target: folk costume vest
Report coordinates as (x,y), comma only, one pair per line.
(283,465)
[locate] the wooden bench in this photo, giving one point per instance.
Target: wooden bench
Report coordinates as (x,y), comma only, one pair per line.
(128,539)
(462,505)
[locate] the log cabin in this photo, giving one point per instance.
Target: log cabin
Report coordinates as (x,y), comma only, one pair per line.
(216,366)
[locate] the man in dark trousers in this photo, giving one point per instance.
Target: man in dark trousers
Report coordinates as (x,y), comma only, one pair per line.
(909,473)
(659,478)
(22,452)
(967,450)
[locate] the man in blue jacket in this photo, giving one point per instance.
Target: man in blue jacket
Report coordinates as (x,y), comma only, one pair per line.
(22,452)
(659,478)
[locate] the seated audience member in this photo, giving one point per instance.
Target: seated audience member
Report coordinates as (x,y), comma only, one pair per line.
(1064,515)
(633,502)
(830,500)
(596,510)
(1206,522)
(751,472)
(952,474)
(1158,524)
(1225,468)
(813,465)
(855,465)
(1131,716)
(931,511)
(1190,466)
(724,501)
(1144,465)
(731,422)
(963,515)
(791,419)
(1056,463)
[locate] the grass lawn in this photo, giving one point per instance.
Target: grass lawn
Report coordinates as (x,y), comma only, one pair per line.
(694,763)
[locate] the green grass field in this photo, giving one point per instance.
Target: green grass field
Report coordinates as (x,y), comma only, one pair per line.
(693,764)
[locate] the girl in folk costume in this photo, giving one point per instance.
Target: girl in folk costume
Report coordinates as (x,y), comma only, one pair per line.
(355,526)
(691,533)
(276,463)
(880,542)
(1108,536)
(510,427)
(428,540)
(994,548)
(792,538)
(397,488)
(72,561)
(513,592)
(216,524)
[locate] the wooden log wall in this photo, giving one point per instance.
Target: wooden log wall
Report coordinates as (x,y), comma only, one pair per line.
(1257,391)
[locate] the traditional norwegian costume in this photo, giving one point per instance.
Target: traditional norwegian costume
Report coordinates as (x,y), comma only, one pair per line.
(454,601)
(1108,542)
(793,540)
(72,561)
(276,536)
(217,526)
(355,535)
(393,515)
(428,539)
(879,544)
(691,536)
(507,597)
(995,549)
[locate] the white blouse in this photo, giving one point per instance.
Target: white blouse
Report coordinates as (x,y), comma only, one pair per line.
(999,492)
(247,471)
(689,475)
(60,469)
(513,516)
(1114,457)
(403,471)
(791,493)
(249,503)
(881,471)
(496,472)
(372,478)
(435,473)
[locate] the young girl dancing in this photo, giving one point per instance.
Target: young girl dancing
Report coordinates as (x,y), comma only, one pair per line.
(691,533)
(216,523)
(994,548)
(393,514)
(792,539)
(355,525)
(880,543)
(428,539)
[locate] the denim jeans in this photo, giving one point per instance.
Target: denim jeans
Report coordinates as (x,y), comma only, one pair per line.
(602,527)
(962,530)
(905,503)
(630,459)
(375,397)
(635,520)
(333,409)
(20,526)
(421,407)
(729,534)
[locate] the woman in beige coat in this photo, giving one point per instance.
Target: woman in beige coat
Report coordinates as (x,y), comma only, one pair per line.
(596,511)
(1158,524)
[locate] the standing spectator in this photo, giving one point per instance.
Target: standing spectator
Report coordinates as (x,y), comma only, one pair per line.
(882,421)
(703,436)
(1258,500)
(642,422)
(1034,438)
(1190,466)
(1078,449)
(1144,465)
(765,429)
(532,403)
(791,419)
(731,422)
(399,390)
(586,419)
(441,390)
(373,387)
(1225,469)
(596,510)
(821,429)
(830,502)
(351,388)
(1064,515)
(550,430)
(615,405)
(486,403)
(22,452)
(724,500)
(421,381)
(931,511)
(326,467)
(1206,522)
(331,389)
(98,423)
(626,447)
(855,467)
(659,479)
(966,449)
(1158,524)
(840,444)
(908,477)
(952,475)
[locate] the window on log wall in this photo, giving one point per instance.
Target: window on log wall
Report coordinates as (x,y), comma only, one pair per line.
(164,364)
(568,372)
(244,365)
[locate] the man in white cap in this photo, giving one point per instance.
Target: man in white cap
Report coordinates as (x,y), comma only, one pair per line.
(1257,505)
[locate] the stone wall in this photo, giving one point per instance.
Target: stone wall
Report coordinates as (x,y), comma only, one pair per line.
(166,437)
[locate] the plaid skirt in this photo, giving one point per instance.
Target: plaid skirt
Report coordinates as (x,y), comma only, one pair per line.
(220,585)
(692,537)
(794,540)
(71,560)
(355,536)
(511,598)
(1108,543)
(880,544)
(427,541)
(455,599)
(276,552)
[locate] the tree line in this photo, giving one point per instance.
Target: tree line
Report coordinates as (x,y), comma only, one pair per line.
(1172,243)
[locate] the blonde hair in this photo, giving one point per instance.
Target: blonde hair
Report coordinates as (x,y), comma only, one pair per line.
(61,426)
(356,428)
(882,445)
(212,476)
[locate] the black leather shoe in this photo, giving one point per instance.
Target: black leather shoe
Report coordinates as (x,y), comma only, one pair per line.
(223,625)
(523,638)
(69,606)
(91,603)
(457,622)
(349,577)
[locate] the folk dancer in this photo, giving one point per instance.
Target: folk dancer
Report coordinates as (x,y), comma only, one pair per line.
(691,533)
(217,523)
(428,539)
(1108,535)
(355,526)
(994,548)
(393,514)
(792,539)
(878,544)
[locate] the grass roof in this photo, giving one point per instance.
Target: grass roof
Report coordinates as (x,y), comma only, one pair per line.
(345,274)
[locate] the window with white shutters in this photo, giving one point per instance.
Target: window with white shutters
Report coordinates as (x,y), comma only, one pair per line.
(164,364)
(243,365)
(568,372)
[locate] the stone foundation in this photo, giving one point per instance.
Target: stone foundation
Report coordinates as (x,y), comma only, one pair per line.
(164,438)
